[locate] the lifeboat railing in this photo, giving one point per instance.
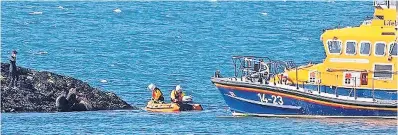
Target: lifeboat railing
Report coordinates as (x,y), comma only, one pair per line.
(252,67)
(262,69)
(387,3)
(353,91)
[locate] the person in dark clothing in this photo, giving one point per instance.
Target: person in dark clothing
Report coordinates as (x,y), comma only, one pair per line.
(13,70)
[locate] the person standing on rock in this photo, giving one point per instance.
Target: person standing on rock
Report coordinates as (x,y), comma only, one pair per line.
(13,70)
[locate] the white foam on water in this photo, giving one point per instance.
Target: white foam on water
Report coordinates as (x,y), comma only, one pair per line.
(264,13)
(104,81)
(117,10)
(60,7)
(41,52)
(36,13)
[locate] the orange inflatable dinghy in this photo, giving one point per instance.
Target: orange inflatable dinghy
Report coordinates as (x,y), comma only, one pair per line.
(171,107)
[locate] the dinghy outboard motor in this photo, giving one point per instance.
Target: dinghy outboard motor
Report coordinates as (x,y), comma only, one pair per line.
(187,99)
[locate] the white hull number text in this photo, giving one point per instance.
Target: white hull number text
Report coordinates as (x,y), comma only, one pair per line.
(274,99)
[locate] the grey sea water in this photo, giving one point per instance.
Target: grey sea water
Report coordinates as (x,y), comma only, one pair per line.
(170,43)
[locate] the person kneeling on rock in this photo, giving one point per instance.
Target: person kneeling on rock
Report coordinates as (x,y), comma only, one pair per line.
(157,95)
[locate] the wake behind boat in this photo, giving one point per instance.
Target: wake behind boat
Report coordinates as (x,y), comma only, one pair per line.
(358,77)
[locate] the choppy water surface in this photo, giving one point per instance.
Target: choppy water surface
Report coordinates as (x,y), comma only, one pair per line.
(169,43)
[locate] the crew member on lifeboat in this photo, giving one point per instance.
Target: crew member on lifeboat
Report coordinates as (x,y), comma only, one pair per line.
(157,95)
(177,95)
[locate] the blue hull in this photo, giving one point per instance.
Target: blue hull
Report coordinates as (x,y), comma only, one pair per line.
(277,103)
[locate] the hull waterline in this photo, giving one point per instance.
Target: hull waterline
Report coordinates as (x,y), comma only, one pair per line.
(258,101)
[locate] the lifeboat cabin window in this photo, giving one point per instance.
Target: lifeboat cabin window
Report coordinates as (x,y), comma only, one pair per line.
(365,48)
(380,49)
(334,46)
(312,76)
(351,47)
(393,49)
(383,71)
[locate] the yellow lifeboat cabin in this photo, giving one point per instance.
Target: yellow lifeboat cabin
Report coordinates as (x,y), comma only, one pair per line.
(361,59)
(358,77)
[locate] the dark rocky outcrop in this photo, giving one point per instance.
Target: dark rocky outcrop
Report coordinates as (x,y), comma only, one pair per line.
(38,92)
